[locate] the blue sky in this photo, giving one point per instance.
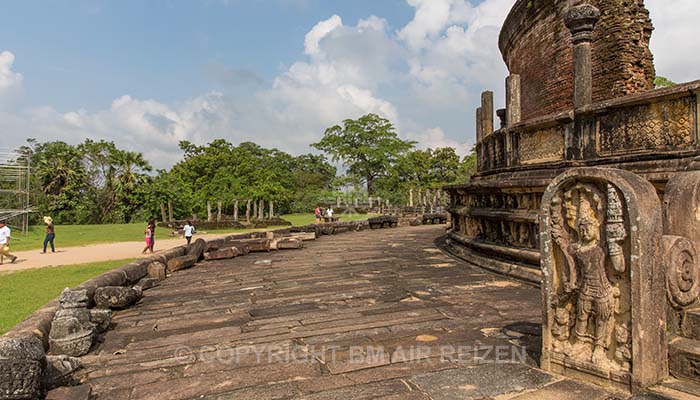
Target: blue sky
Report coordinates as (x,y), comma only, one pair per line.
(147,74)
(83,54)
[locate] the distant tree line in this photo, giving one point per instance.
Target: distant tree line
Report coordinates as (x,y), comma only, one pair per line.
(96,182)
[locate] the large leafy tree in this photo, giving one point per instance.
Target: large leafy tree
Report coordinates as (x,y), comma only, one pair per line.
(368,147)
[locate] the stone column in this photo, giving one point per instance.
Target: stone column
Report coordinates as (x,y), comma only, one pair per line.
(513,110)
(581,21)
(337,201)
(486,113)
(235,210)
(247,210)
(162,213)
(272,209)
(370,201)
(355,201)
(410,197)
(218,213)
(209,217)
(261,209)
(170,211)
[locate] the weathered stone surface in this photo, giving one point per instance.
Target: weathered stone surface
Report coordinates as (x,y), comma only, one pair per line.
(286,243)
(157,270)
(22,362)
(117,297)
(59,371)
(221,254)
(72,331)
(179,263)
(147,283)
(376,292)
(196,248)
(81,392)
(595,281)
(101,318)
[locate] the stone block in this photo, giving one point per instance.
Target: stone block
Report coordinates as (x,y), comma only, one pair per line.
(59,371)
(221,254)
(22,362)
(116,297)
(147,283)
(287,243)
(101,318)
(184,262)
(157,270)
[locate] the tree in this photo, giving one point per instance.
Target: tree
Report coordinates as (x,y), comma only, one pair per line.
(367,146)
(661,82)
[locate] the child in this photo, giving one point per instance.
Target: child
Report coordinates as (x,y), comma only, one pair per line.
(148,241)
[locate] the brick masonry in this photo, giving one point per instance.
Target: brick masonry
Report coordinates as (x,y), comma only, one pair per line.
(536,45)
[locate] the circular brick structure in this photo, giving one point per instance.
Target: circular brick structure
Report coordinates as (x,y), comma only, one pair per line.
(536,45)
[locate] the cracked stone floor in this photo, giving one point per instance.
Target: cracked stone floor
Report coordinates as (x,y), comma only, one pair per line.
(378,314)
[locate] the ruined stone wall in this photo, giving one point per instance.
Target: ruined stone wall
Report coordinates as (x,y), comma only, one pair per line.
(537,46)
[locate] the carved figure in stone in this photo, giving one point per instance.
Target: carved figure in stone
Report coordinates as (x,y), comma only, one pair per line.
(615,230)
(623,352)
(561,329)
(594,303)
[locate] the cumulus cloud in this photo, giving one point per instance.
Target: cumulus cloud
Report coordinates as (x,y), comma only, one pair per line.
(425,77)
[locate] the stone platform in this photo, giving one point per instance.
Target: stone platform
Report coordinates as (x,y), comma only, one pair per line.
(378,314)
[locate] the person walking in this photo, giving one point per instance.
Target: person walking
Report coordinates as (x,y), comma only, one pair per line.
(148,238)
(50,234)
(189,231)
(329,213)
(317,212)
(152,227)
(5,235)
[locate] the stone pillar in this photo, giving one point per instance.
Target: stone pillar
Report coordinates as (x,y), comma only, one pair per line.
(355,201)
(581,21)
(479,128)
(209,216)
(337,201)
(370,201)
(486,113)
(261,209)
(410,197)
(247,210)
(255,210)
(162,213)
(604,286)
(235,210)
(218,212)
(513,110)
(170,211)
(272,209)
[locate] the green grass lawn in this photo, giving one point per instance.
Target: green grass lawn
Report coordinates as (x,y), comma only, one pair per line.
(23,292)
(79,235)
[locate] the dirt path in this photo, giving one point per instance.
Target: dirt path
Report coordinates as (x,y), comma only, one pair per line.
(90,253)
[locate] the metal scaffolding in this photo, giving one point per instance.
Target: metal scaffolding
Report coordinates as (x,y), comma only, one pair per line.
(15,199)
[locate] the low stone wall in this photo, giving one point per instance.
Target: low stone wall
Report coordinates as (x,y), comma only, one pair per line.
(41,352)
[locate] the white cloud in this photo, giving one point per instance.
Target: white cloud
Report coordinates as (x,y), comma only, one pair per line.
(674,40)
(318,32)
(425,77)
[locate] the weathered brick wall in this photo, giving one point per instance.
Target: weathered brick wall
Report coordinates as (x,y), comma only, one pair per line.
(536,45)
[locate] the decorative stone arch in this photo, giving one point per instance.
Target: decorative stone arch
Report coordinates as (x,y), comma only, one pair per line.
(603,289)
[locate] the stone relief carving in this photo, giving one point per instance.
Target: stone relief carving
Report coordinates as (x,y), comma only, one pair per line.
(541,146)
(587,227)
(668,124)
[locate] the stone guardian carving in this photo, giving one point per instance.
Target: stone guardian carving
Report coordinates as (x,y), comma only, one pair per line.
(600,233)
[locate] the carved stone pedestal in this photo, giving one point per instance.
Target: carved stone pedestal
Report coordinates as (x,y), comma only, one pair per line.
(604,288)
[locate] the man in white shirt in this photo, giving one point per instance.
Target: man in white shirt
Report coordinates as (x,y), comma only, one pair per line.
(329,212)
(189,231)
(5,242)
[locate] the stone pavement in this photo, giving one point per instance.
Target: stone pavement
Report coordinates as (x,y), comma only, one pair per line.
(378,314)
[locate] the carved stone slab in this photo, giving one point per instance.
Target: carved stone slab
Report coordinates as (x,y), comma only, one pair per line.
(603,275)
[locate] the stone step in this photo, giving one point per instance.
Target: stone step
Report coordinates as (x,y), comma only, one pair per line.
(684,358)
(690,326)
(672,389)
